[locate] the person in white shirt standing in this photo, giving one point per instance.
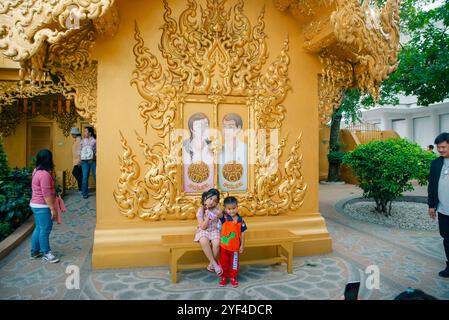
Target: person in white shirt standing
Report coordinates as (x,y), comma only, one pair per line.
(88,156)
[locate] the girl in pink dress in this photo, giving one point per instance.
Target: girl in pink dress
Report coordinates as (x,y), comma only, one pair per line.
(208,230)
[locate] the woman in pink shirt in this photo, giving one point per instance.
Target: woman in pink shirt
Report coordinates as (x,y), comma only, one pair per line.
(43,206)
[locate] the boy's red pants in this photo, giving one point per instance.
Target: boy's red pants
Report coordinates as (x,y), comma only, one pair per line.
(229,261)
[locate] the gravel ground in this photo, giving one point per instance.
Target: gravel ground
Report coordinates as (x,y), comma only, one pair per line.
(404,215)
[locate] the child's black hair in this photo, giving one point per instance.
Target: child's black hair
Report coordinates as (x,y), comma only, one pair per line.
(230,200)
(210,193)
(203,197)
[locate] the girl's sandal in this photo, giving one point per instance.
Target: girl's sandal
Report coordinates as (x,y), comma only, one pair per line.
(210,268)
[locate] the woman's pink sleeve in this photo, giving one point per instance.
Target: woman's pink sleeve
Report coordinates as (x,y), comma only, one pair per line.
(46,183)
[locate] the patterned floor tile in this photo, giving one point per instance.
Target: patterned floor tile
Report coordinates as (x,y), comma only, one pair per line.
(404,258)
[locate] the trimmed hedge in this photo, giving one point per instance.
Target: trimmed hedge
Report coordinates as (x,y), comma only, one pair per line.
(385,169)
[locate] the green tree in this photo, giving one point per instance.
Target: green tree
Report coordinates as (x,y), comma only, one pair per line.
(423,69)
(385,169)
(349,108)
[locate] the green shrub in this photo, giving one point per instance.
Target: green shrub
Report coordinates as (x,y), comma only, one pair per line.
(385,168)
(15,196)
(5,230)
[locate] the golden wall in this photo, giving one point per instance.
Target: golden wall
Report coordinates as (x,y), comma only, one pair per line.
(123,242)
(324,150)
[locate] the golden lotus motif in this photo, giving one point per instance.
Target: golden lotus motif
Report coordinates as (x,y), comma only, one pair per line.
(232,171)
(198,172)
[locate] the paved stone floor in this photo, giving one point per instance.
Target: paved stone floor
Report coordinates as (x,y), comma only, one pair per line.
(404,258)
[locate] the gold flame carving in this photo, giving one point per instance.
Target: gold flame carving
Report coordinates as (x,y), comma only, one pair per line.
(215,54)
(128,184)
(280,191)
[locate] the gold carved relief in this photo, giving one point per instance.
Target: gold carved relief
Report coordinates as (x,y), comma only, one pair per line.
(26,25)
(54,39)
(373,37)
(81,85)
(358,44)
(25,109)
(214,56)
(70,181)
(337,75)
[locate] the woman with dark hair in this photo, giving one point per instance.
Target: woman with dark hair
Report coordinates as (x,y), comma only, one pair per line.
(43,205)
(88,156)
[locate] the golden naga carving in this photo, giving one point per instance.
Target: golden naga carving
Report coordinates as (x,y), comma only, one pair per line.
(356,41)
(337,75)
(216,58)
(372,36)
(55,39)
(26,25)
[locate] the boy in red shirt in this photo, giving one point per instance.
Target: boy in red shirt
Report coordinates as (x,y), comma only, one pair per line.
(232,241)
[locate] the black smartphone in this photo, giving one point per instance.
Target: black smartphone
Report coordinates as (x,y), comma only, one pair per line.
(352,290)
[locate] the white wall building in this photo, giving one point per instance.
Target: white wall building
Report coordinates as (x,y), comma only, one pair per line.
(416,123)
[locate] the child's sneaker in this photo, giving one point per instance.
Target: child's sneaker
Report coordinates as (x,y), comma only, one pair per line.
(234,282)
(223,281)
(49,257)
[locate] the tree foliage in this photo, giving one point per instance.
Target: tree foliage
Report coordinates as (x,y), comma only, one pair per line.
(4,168)
(423,69)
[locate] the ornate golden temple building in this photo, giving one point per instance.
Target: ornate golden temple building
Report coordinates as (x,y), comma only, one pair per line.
(149,74)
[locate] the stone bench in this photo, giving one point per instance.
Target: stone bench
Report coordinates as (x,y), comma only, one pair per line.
(282,239)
